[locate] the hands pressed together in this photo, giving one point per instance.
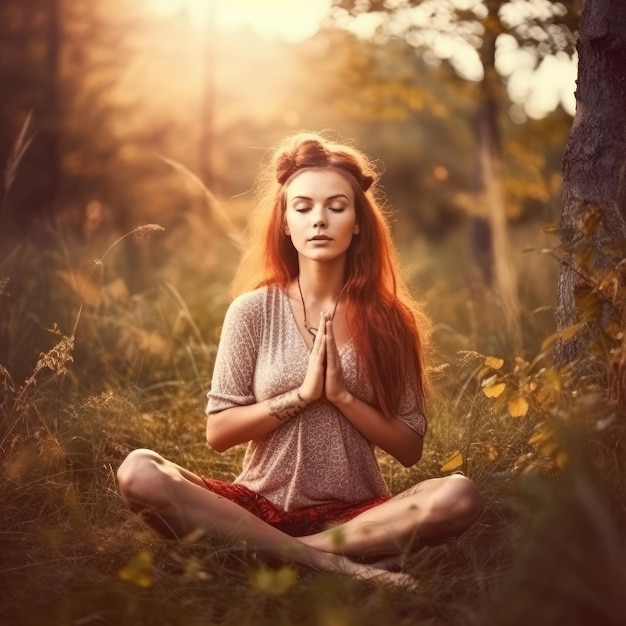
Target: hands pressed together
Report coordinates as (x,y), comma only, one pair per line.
(324,377)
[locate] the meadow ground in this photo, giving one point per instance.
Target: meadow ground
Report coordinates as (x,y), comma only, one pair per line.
(95,363)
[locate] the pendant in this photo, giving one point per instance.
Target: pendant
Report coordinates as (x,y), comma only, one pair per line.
(312,330)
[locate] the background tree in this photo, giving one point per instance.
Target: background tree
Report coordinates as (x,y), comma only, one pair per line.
(592,285)
(31,42)
(544,27)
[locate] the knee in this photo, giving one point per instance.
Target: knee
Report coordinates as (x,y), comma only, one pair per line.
(457,502)
(138,476)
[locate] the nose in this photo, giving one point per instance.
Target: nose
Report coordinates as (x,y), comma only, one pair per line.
(319,220)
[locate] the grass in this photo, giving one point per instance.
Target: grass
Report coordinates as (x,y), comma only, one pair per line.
(132,371)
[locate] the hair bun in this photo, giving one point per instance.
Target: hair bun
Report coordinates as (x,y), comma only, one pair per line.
(307,150)
(366,182)
(285,166)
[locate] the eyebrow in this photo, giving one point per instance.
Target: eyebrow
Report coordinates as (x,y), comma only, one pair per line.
(335,197)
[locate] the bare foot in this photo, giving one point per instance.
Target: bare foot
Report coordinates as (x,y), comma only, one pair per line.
(361,571)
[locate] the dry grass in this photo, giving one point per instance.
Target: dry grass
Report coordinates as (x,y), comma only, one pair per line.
(133,372)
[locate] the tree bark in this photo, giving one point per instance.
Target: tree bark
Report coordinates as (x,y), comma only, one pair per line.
(593,221)
(52,109)
(495,262)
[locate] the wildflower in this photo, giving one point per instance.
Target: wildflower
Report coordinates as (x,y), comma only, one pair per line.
(143,232)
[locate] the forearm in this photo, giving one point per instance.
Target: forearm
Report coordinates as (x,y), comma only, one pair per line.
(246,423)
(391,435)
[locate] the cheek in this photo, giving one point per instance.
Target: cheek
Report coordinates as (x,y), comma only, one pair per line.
(349,225)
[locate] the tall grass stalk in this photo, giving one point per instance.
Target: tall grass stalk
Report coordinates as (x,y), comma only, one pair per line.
(13,162)
(138,233)
(217,211)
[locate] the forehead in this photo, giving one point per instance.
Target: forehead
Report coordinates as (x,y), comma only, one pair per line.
(319,183)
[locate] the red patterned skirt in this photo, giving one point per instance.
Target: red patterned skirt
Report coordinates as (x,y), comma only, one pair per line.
(299,522)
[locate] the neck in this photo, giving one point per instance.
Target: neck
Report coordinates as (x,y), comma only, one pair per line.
(320,281)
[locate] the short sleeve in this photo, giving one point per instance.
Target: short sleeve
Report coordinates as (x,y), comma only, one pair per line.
(236,358)
(409,413)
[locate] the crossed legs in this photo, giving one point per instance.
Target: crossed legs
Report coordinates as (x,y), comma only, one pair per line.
(177,503)
(430,510)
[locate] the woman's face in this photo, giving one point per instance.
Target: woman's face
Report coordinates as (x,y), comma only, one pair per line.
(320,216)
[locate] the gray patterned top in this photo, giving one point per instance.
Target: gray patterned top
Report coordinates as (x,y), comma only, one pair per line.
(317,456)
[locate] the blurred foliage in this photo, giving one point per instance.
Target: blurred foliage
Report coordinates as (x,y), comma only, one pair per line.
(131,86)
(107,339)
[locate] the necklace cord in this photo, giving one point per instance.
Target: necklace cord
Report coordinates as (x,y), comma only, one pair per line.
(310,329)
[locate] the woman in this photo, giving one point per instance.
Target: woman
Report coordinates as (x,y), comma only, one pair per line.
(321,361)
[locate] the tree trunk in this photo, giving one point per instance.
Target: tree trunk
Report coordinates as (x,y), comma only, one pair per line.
(496,263)
(592,284)
(51,106)
(207,119)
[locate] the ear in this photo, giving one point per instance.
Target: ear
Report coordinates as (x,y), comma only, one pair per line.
(286,229)
(357,230)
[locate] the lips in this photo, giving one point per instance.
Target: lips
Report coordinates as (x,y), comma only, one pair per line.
(320,238)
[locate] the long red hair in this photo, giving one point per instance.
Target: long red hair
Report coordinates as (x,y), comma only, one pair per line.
(390,330)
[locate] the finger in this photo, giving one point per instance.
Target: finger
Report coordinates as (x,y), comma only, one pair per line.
(330,342)
(321,333)
(315,348)
(331,347)
(318,342)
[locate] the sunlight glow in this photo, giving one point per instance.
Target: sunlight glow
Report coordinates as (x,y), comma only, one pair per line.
(291,20)
(537,89)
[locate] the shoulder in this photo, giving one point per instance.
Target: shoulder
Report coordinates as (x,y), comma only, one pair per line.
(254,304)
(263,296)
(249,299)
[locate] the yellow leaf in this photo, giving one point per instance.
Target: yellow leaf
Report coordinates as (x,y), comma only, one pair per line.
(193,570)
(591,222)
(564,334)
(543,433)
(454,461)
(588,303)
(562,459)
(544,440)
(494,362)
(492,452)
(552,380)
(274,582)
(520,364)
(138,571)
(551,229)
(493,391)
(530,386)
(518,406)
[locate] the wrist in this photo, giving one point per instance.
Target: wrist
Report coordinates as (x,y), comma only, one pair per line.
(303,396)
(343,400)
(287,405)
